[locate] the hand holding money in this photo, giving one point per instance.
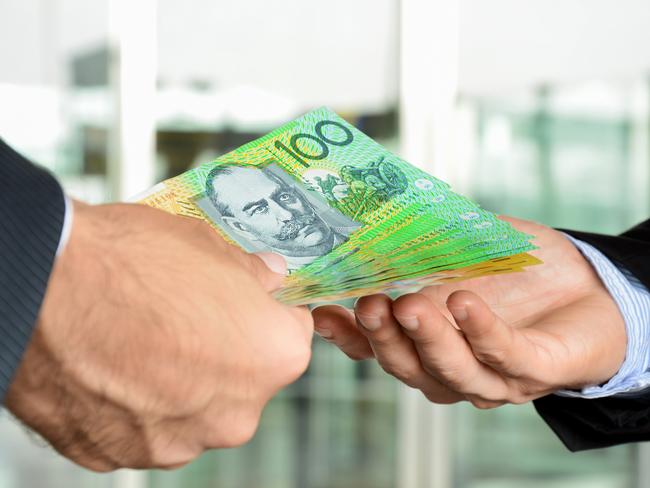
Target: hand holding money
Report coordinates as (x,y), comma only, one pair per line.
(349,217)
(504,339)
(153,342)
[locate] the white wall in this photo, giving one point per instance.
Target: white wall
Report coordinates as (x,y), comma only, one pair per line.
(340,52)
(510,44)
(38,37)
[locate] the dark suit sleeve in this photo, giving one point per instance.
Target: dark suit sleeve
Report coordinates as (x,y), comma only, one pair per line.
(593,423)
(32,211)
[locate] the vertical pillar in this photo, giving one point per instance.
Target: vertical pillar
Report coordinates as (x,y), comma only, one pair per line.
(133,75)
(131,169)
(543,142)
(429,56)
(642,465)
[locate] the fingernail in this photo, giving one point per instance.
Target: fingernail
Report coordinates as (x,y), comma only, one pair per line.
(459,313)
(409,323)
(274,262)
(370,322)
(324,333)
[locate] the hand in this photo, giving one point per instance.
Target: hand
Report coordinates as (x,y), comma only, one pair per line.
(502,339)
(156,340)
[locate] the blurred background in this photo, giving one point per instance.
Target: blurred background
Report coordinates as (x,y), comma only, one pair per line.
(538,109)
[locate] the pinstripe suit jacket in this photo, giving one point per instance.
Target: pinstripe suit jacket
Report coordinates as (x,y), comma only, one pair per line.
(32,210)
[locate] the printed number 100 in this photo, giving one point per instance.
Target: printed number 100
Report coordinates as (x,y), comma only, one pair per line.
(320,139)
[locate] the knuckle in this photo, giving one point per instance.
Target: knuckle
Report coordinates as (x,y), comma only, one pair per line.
(523,392)
(177,465)
(98,466)
(296,363)
(354,349)
(424,339)
(494,357)
(484,404)
(303,359)
(158,455)
(88,457)
(284,358)
(357,356)
(409,304)
(232,431)
(372,304)
(454,379)
(406,373)
(242,431)
(385,337)
(164,457)
(439,397)
(519,399)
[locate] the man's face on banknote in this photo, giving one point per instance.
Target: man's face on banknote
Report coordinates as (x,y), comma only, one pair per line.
(260,206)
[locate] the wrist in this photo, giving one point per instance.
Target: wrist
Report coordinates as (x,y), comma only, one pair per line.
(35,395)
(617,362)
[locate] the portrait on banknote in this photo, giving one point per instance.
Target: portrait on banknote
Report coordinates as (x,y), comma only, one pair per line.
(264,209)
(349,217)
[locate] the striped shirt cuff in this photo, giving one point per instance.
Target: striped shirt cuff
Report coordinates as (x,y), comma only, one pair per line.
(633,300)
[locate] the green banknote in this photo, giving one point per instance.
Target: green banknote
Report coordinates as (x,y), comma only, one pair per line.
(348,216)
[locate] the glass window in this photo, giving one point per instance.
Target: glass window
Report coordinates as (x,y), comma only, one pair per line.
(571,156)
(236,77)
(56,109)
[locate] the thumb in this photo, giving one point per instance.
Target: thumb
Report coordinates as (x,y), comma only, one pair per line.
(493,342)
(269,268)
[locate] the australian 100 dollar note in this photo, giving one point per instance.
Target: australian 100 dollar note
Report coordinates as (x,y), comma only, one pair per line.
(349,217)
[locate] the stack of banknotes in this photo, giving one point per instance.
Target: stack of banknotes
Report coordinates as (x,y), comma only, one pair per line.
(349,217)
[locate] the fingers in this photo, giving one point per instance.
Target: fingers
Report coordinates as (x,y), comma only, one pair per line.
(336,324)
(492,341)
(443,351)
(305,319)
(395,351)
(269,268)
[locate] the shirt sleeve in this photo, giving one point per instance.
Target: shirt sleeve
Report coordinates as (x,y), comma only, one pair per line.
(633,300)
(66,230)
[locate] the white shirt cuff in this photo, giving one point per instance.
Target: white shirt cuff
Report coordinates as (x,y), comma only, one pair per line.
(633,300)
(67,226)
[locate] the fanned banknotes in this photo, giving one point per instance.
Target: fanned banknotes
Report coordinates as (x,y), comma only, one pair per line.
(349,217)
